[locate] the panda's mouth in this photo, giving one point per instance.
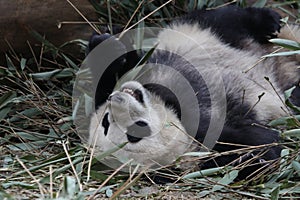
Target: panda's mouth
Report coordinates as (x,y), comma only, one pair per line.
(135,93)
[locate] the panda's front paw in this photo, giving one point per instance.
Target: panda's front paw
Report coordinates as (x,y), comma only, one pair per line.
(270,23)
(97,39)
(113,45)
(264,24)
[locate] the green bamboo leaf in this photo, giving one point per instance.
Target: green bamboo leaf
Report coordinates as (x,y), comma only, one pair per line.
(28,146)
(287,53)
(57,73)
(17,183)
(52,161)
(289,44)
(10,64)
(4,195)
(80,42)
(42,39)
(28,136)
(30,113)
(6,103)
(203,173)
(4,111)
(275,193)
(7,98)
(197,154)
(23,63)
(288,121)
(296,166)
(69,61)
(226,180)
(69,188)
(259,3)
(61,170)
(293,132)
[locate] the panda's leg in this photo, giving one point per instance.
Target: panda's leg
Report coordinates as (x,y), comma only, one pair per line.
(234,24)
(251,135)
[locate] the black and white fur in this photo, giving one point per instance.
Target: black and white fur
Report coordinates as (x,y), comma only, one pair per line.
(222,44)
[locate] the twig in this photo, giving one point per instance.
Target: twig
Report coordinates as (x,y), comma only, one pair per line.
(140,4)
(78,11)
(108,178)
(42,189)
(72,166)
(124,31)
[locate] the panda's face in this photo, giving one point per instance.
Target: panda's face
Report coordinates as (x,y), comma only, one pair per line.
(134,116)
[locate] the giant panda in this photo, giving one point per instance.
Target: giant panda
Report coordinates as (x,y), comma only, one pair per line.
(205,87)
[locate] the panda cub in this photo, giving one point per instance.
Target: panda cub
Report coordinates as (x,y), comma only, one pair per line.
(204,87)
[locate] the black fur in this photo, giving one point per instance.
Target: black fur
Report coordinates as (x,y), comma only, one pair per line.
(166,95)
(295,98)
(234,24)
(115,70)
(105,123)
(137,131)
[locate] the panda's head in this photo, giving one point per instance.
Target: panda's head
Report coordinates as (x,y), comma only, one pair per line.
(132,115)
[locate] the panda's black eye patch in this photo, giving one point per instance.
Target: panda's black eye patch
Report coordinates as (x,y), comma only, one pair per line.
(105,123)
(141,123)
(139,95)
(138,131)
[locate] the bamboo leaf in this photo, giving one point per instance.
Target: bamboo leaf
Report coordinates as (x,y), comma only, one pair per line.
(202,173)
(226,180)
(289,44)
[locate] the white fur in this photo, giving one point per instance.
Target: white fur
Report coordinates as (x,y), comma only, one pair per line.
(209,54)
(168,139)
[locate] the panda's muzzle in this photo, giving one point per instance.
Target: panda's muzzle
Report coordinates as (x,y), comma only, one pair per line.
(117,97)
(135,93)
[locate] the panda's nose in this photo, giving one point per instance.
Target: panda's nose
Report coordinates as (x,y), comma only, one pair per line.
(115,97)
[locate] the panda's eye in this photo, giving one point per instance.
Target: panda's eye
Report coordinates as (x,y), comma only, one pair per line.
(139,96)
(141,123)
(105,123)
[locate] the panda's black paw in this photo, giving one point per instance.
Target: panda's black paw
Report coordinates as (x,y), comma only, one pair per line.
(96,39)
(113,45)
(264,24)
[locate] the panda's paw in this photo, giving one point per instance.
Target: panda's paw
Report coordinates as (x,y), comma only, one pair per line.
(96,39)
(264,24)
(270,22)
(113,44)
